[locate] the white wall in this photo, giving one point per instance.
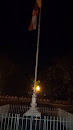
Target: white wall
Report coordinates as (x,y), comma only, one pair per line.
(67,116)
(4,109)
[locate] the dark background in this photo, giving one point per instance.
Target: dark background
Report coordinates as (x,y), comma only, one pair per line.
(18,45)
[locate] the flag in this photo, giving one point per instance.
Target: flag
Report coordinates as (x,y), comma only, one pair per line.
(33,23)
(39,3)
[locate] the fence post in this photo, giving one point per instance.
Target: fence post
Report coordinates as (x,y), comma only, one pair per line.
(17,122)
(70,123)
(2,121)
(8,121)
(57,124)
(26,123)
(31,120)
(39,123)
(67,125)
(11,121)
(22,122)
(47,122)
(63,123)
(14,121)
(44,125)
(50,121)
(35,122)
(5,116)
(22,109)
(43,109)
(53,123)
(60,123)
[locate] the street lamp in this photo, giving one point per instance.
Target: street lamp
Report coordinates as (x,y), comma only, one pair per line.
(37,88)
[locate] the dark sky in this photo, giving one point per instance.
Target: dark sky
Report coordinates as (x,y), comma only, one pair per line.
(18,44)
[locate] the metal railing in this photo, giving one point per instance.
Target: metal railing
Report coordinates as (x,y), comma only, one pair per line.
(54,119)
(21,109)
(17,122)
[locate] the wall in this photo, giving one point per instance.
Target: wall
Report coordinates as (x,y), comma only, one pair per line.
(4,109)
(67,116)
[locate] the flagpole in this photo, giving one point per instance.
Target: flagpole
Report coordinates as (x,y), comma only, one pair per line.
(33,110)
(37,53)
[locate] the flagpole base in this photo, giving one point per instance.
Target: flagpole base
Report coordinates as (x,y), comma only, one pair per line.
(33,110)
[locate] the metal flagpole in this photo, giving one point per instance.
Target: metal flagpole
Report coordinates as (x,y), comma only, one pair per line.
(33,110)
(37,53)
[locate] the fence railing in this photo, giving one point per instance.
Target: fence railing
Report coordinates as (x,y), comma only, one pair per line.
(21,109)
(12,118)
(16,122)
(67,115)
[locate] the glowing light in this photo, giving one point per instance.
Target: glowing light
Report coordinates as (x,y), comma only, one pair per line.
(37,88)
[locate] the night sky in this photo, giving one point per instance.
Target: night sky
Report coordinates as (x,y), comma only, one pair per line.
(19,45)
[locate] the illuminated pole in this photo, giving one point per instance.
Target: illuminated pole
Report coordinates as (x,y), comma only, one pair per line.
(37,53)
(33,110)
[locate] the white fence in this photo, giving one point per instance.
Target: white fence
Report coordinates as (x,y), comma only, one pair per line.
(67,115)
(16,122)
(55,119)
(4,109)
(21,109)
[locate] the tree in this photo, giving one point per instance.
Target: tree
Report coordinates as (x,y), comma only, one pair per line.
(58,80)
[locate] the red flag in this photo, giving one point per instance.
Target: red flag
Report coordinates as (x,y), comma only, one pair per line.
(33,23)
